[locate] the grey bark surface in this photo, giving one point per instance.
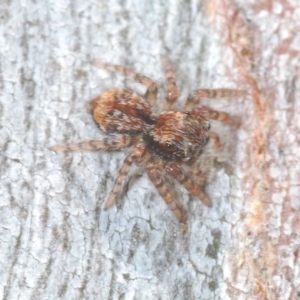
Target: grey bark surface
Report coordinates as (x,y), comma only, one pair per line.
(56,240)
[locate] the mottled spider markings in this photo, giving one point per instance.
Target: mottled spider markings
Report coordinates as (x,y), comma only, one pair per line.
(167,145)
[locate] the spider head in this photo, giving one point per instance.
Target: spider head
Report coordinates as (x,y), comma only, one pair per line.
(121,111)
(177,136)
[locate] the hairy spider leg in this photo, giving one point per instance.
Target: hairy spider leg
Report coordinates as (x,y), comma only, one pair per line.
(216,140)
(137,77)
(134,154)
(112,142)
(177,172)
(172,92)
(198,95)
(161,186)
(196,173)
(209,113)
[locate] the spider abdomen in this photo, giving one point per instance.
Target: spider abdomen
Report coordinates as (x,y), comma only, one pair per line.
(121,111)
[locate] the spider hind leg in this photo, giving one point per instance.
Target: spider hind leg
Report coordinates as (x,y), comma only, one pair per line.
(134,155)
(110,142)
(134,76)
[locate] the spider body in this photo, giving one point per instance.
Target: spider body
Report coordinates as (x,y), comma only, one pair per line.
(167,146)
(177,136)
(121,111)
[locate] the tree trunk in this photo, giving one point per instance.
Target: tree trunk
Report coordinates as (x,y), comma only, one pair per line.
(57,241)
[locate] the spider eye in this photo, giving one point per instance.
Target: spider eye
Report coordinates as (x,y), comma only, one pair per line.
(170,147)
(110,113)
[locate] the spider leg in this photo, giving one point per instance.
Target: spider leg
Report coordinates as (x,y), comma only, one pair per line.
(171,83)
(112,142)
(198,95)
(158,180)
(196,173)
(216,140)
(131,74)
(213,114)
(134,154)
(177,172)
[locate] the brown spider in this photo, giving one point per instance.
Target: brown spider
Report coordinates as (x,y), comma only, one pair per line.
(167,145)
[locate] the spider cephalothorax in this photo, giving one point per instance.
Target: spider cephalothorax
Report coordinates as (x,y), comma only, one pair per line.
(166,145)
(177,136)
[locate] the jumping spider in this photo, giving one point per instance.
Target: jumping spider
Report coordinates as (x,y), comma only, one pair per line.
(166,145)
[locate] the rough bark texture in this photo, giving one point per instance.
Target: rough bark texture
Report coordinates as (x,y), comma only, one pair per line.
(57,242)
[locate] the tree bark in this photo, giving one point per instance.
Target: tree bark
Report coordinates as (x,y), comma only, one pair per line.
(57,241)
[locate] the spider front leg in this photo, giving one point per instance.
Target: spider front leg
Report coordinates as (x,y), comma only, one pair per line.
(211,114)
(112,142)
(195,172)
(158,180)
(172,92)
(182,177)
(134,155)
(137,77)
(216,140)
(198,95)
